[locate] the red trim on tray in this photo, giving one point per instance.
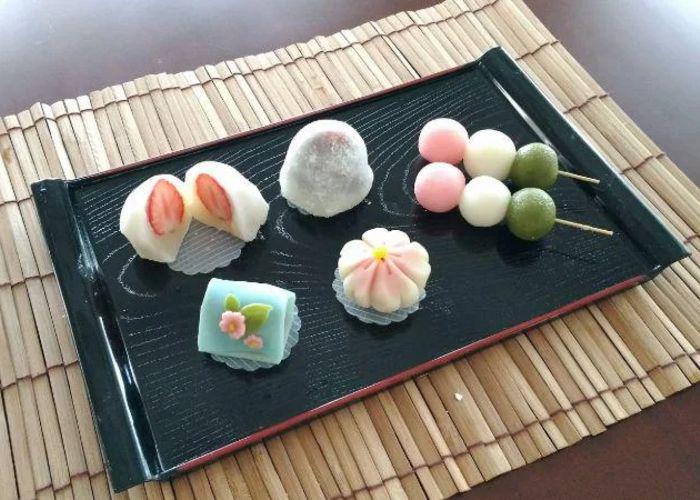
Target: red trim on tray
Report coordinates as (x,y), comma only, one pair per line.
(399,377)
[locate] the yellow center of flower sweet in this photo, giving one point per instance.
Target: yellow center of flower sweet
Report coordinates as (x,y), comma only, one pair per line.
(232,327)
(380,252)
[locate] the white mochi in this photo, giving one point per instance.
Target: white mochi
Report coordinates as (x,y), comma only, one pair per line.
(489,152)
(249,208)
(135,225)
(326,171)
(484,201)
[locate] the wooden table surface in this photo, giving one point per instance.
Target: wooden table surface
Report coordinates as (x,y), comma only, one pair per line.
(643,52)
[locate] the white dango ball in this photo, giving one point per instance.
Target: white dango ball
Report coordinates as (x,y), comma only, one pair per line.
(484,201)
(326,170)
(489,152)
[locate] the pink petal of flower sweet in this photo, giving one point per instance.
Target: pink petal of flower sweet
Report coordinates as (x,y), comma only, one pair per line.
(385,293)
(380,236)
(396,238)
(412,259)
(347,265)
(354,247)
(376,237)
(358,284)
(355,253)
(407,288)
(412,251)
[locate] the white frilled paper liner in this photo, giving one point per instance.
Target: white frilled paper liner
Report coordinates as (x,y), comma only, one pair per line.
(369,315)
(206,248)
(249,365)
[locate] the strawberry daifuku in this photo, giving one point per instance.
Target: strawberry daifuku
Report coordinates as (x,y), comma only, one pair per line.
(155,218)
(220,196)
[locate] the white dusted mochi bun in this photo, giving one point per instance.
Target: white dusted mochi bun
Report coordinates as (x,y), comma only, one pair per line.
(220,196)
(326,170)
(155,218)
(384,270)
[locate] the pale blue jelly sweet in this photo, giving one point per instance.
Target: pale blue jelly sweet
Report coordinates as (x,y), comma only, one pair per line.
(274,332)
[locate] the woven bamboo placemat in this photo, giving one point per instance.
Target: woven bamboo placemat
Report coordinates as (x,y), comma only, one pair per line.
(436,435)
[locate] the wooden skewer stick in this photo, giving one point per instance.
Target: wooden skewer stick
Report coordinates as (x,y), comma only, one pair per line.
(579,177)
(584,227)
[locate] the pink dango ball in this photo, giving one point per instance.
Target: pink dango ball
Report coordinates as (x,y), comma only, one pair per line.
(439,186)
(444,140)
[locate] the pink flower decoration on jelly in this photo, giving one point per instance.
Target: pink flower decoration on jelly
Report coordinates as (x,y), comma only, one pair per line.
(233,324)
(254,342)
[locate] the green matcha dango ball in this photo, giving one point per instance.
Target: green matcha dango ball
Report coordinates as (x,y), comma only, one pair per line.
(535,165)
(531,214)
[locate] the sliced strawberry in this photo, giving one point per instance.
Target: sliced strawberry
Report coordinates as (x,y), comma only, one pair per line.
(165,208)
(213,197)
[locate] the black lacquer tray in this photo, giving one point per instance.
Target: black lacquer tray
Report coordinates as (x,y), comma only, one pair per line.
(162,407)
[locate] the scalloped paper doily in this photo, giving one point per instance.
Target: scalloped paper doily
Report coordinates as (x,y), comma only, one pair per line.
(206,248)
(367,314)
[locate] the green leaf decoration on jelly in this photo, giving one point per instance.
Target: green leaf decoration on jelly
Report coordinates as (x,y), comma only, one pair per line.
(231,303)
(256,315)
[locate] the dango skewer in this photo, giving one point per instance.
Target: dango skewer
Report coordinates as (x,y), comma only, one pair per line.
(532,213)
(537,165)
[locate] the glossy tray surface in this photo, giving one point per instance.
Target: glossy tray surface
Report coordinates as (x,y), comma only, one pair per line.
(161,405)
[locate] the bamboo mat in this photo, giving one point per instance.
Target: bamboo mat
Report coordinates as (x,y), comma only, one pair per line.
(434,436)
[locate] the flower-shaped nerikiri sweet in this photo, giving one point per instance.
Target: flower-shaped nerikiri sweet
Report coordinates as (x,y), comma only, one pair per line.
(384,270)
